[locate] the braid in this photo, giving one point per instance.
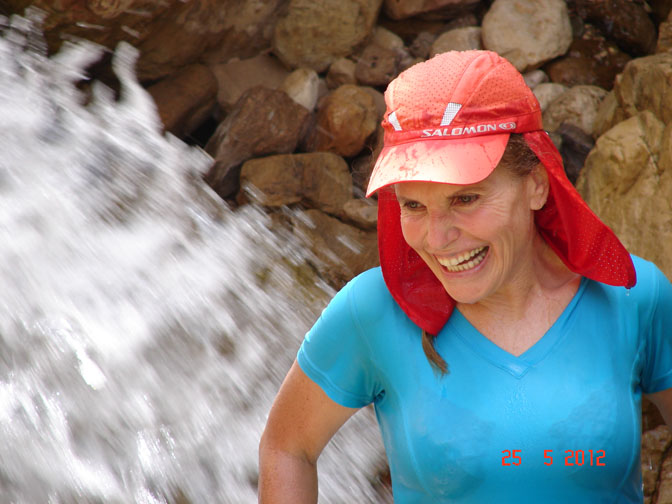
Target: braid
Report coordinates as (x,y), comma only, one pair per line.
(432,355)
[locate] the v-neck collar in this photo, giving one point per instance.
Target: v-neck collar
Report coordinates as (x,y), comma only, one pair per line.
(516,366)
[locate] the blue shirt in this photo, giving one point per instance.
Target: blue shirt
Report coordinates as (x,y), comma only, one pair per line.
(559,423)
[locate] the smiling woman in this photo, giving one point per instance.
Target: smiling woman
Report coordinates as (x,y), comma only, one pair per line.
(503,355)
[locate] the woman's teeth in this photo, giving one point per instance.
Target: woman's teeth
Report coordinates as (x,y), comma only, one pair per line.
(464,261)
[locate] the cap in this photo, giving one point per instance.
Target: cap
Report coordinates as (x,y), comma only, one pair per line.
(448,120)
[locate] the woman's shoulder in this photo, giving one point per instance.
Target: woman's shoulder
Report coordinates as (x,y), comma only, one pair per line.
(370,300)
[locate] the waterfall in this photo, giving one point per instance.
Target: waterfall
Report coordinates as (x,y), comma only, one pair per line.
(144,326)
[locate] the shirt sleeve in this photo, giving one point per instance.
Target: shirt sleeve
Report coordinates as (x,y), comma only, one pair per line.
(335,354)
(657,374)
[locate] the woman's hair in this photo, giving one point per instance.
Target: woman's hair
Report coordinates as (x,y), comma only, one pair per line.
(520,160)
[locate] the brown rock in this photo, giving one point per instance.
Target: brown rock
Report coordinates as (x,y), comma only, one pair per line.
(401,9)
(664,43)
(376,66)
(527,32)
(655,443)
(345,119)
(341,71)
(577,106)
(422,44)
(665,485)
(263,121)
(592,61)
(302,86)
(185,99)
(535,77)
(315,34)
(237,76)
(547,92)
(627,181)
(320,179)
(341,251)
(458,39)
(608,115)
(625,22)
(645,85)
(362,213)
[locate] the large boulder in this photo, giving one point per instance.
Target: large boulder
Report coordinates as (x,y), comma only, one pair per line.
(627,181)
(315,34)
(527,32)
(577,106)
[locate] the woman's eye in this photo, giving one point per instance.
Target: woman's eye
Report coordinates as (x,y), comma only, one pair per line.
(466,199)
(412,205)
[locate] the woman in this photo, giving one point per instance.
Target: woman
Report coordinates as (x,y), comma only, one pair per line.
(503,341)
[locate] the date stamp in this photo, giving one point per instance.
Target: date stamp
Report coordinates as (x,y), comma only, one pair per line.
(572,457)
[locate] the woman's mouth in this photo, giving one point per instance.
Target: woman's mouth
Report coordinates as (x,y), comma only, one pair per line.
(465,261)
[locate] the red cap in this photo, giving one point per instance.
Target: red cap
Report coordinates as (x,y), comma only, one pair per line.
(448,120)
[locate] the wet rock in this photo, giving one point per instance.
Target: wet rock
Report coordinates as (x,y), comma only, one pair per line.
(302,86)
(627,181)
(577,106)
(625,22)
(170,34)
(345,119)
(376,66)
(263,121)
(320,179)
(341,71)
(237,76)
(527,32)
(185,99)
(593,61)
(401,9)
(655,443)
(315,34)
(459,39)
(342,251)
(362,213)
(574,148)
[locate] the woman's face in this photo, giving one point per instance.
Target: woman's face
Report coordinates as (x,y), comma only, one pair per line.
(477,239)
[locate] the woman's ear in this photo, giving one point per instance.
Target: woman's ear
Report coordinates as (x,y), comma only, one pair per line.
(538,187)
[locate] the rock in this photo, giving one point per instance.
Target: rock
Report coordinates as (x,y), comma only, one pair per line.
(376,66)
(401,9)
(574,148)
(263,121)
(378,100)
(237,76)
(345,119)
(577,106)
(459,39)
(315,34)
(362,213)
(535,77)
(645,85)
(625,22)
(302,86)
(627,181)
(341,251)
(593,61)
(546,92)
(321,180)
(341,71)
(170,34)
(387,39)
(527,32)
(651,417)
(664,42)
(609,114)
(654,444)
(185,99)
(422,44)
(665,485)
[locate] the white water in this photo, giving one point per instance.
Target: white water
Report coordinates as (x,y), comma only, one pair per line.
(144,327)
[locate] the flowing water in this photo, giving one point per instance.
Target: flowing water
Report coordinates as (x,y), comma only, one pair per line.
(144,326)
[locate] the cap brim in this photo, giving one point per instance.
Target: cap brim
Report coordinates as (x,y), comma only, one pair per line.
(454,161)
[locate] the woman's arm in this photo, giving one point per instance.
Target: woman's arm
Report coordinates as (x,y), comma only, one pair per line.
(663,401)
(301,422)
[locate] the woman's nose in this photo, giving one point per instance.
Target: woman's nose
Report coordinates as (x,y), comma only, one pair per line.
(441,231)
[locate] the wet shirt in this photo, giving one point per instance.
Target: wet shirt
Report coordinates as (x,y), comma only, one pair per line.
(559,423)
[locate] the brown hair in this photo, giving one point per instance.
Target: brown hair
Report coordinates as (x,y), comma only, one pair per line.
(520,160)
